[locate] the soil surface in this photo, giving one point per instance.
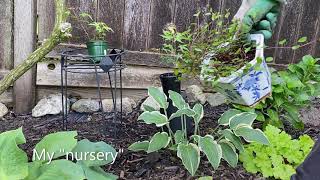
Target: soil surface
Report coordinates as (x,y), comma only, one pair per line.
(131,165)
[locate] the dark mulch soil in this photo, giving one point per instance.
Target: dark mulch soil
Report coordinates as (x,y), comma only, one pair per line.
(129,165)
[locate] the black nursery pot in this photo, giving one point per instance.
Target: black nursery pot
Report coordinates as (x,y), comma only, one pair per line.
(171,82)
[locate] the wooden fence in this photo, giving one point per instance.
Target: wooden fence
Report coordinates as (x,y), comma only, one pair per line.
(137,25)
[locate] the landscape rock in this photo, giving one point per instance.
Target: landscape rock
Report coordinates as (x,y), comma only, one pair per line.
(127,105)
(311,115)
(195,94)
(3,110)
(215,99)
(150,102)
(49,105)
(85,106)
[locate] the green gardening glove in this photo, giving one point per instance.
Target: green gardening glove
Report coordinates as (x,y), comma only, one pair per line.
(258,16)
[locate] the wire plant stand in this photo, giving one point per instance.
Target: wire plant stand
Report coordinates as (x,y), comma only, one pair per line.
(79,62)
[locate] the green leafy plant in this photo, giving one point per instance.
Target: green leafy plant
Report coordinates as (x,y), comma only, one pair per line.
(101,28)
(280,158)
(292,89)
(47,162)
(223,143)
(212,39)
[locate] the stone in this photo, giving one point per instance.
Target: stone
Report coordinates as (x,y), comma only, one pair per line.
(311,115)
(215,99)
(150,102)
(3,110)
(85,106)
(127,105)
(50,105)
(195,94)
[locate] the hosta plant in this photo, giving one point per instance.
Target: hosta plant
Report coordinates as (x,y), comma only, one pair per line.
(280,158)
(48,162)
(292,90)
(224,143)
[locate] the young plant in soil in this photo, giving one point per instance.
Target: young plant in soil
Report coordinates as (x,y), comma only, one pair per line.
(101,29)
(214,36)
(280,158)
(223,143)
(48,160)
(292,89)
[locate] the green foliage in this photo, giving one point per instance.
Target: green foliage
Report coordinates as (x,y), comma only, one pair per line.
(101,29)
(234,126)
(14,163)
(292,90)
(280,158)
(215,36)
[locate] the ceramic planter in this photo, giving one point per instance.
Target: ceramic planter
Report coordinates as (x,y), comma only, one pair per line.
(248,88)
(97,49)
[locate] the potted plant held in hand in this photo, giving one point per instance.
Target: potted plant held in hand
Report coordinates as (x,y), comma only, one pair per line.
(97,46)
(229,64)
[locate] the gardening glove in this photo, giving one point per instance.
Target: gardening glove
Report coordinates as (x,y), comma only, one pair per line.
(258,16)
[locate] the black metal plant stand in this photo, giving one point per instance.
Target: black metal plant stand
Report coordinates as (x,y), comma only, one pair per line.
(78,61)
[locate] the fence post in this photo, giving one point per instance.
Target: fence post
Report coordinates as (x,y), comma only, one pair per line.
(24,44)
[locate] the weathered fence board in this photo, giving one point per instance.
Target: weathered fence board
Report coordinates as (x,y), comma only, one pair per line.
(24,44)
(136,24)
(134,77)
(81,32)
(289,30)
(184,12)
(91,93)
(308,27)
(46,18)
(112,12)
(162,13)
(6,19)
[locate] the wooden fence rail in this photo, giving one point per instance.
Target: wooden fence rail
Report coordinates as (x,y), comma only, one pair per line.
(138,23)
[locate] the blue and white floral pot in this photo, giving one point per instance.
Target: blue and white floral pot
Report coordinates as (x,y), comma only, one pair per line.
(248,88)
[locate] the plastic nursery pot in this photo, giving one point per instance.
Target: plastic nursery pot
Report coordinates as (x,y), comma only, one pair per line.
(248,88)
(97,49)
(171,82)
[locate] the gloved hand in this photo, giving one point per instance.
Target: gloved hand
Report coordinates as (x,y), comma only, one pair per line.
(258,16)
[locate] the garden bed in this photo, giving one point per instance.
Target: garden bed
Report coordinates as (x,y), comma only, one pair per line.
(132,165)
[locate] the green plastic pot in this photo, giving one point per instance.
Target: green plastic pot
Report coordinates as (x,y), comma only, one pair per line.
(97,49)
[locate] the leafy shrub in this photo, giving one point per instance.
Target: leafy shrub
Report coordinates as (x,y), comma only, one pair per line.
(213,39)
(222,144)
(292,90)
(14,163)
(280,158)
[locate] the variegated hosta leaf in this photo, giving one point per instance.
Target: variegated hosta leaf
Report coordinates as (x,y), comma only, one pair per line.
(148,108)
(53,143)
(154,117)
(158,141)
(211,149)
(61,169)
(190,156)
(245,118)
(139,146)
(205,178)
(229,153)
(226,116)
(13,160)
(230,136)
(251,135)
(180,112)
(198,109)
(159,96)
(177,100)
(178,136)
